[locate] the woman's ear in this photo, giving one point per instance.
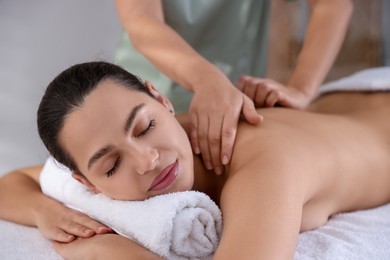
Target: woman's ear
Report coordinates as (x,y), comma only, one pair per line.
(85,182)
(163,100)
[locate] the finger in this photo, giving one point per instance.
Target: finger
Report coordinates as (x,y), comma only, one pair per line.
(286,101)
(194,133)
(214,142)
(60,236)
(272,98)
(249,112)
(104,230)
(92,224)
(203,129)
(261,95)
(241,82)
(250,90)
(229,130)
(74,228)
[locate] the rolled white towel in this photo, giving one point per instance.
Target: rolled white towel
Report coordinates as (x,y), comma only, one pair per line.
(181,225)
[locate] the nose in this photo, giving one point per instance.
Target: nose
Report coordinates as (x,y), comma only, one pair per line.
(145,159)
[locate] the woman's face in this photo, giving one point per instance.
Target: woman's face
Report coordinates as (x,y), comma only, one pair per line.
(128,145)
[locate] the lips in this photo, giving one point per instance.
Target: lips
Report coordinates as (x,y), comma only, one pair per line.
(166,177)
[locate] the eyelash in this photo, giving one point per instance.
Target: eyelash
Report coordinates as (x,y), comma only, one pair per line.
(114,168)
(151,125)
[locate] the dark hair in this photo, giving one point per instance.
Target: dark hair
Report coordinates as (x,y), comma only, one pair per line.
(66,92)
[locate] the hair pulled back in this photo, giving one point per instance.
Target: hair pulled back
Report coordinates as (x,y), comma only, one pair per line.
(68,91)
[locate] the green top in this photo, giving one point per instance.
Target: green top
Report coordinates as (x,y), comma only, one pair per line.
(232,34)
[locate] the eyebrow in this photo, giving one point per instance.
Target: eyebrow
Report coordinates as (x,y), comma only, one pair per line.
(105,150)
(99,154)
(131,117)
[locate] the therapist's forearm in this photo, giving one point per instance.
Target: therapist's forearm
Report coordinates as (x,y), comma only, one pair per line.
(20,198)
(160,44)
(324,36)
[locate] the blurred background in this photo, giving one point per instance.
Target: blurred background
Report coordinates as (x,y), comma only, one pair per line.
(40,38)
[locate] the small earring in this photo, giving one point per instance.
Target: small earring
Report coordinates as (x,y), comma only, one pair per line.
(172,111)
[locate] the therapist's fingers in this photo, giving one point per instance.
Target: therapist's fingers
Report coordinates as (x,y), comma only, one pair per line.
(214,142)
(247,85)
(229,130)
(272,98)
(263,91)
(249,112)
(203,133)
(250,91)
(241,82)
(194,133)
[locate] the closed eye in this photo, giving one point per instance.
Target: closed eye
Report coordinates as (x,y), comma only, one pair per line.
(114,168)
(150,126)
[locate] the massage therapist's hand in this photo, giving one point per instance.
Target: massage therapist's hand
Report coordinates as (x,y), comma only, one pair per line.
(214,112)
(106,246)
(268,93)
(59,223)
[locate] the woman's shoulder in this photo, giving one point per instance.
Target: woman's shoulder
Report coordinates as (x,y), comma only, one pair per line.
(284,135)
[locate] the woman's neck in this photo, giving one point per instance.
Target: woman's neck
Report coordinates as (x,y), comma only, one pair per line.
(207,181)
(204,180)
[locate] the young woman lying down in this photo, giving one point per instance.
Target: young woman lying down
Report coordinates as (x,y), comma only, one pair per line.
(120,138)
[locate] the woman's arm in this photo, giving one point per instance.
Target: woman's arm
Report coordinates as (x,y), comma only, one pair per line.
(106,246)
(20,195)
(22,202)
(262,209)
(216,105)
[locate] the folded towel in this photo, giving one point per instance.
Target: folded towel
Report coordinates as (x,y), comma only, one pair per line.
(369,80)
(181,225)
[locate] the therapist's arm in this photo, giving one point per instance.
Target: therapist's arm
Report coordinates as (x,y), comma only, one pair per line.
(325,33)
(324,36)
(216,105)
(22,202)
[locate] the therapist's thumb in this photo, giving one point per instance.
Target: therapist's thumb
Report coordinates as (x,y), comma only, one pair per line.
(249,111)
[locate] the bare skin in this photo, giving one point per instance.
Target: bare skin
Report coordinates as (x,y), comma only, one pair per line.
(288,175)
(312,166)
(216,105)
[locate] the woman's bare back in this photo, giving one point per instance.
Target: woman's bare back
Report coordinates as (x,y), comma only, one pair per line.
(342,151)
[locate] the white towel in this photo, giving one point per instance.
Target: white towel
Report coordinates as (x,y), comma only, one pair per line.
(359,235)
(369,80)
(181,225)
(19,242)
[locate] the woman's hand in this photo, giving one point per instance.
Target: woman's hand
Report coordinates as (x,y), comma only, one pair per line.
(268,93)
(22,202)
(59,223)
(214,112)
(106,246)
